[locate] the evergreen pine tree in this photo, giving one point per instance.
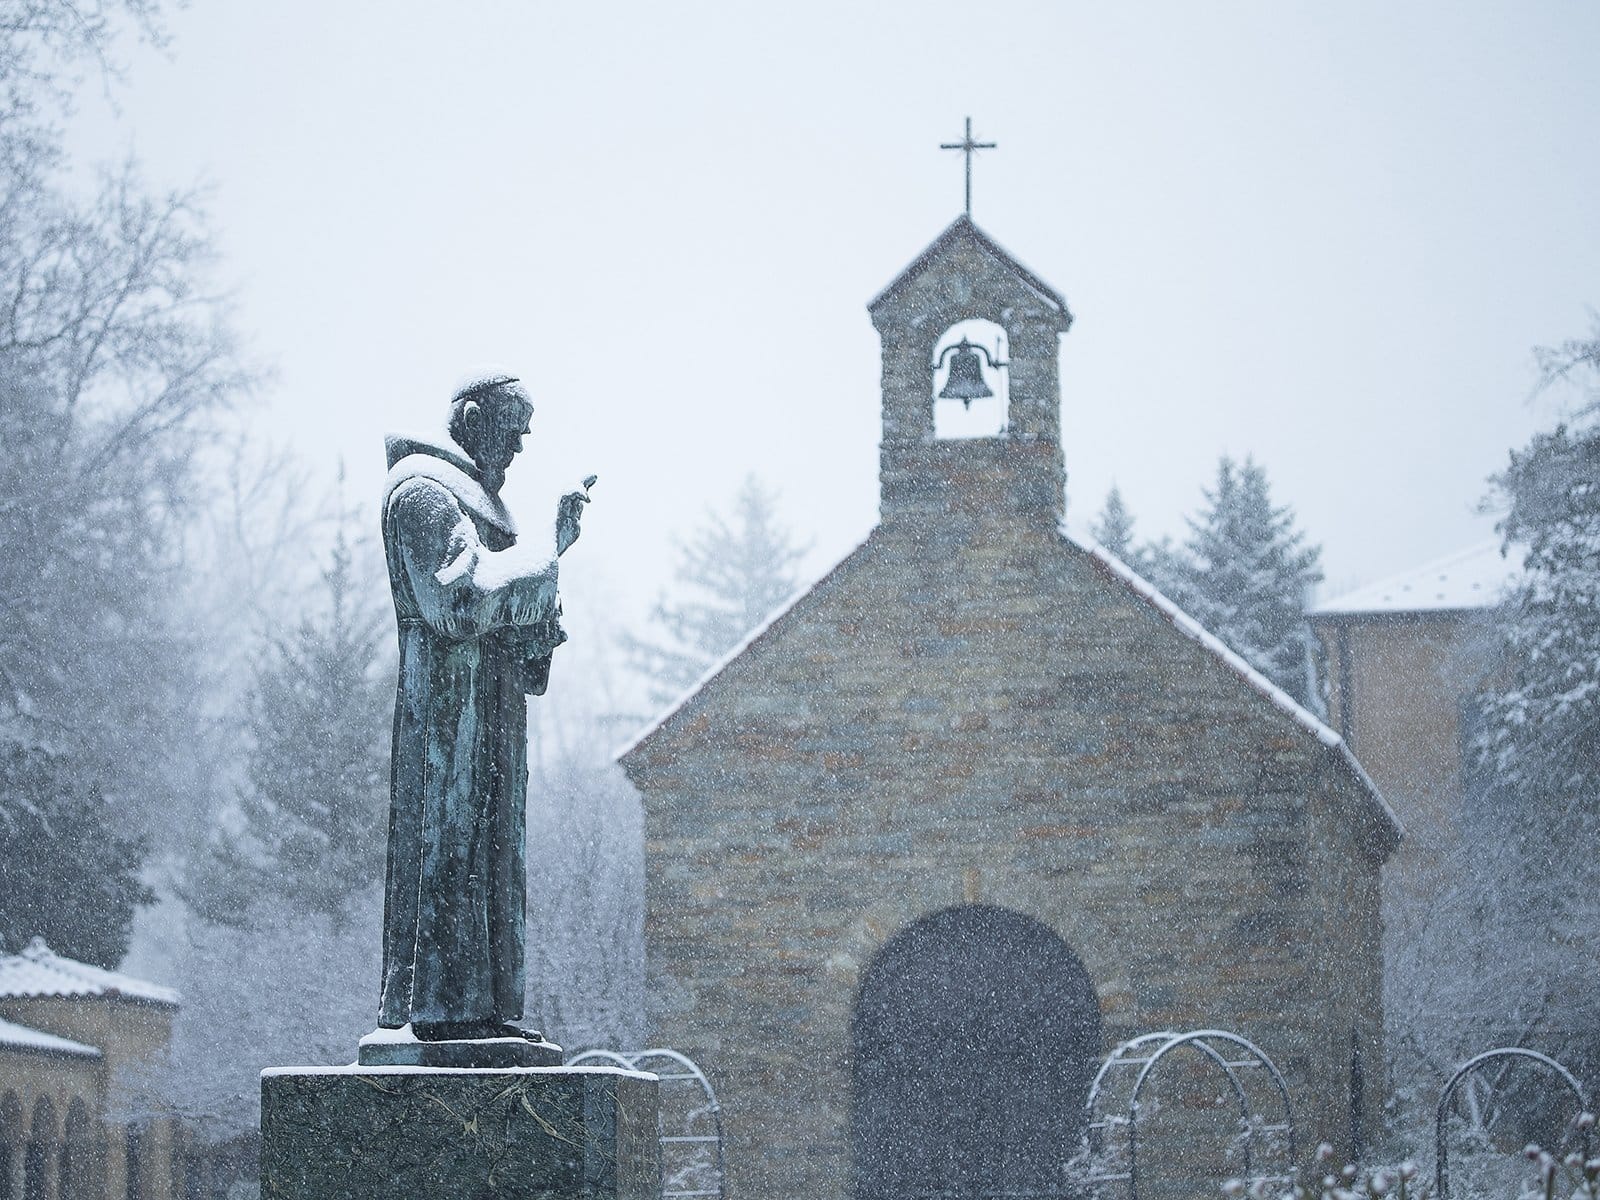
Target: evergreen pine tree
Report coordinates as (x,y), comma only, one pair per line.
(1244,574)
(69,871)
(1536,826)
(732,576)
(1541,726)
(311,813)
(1113,529)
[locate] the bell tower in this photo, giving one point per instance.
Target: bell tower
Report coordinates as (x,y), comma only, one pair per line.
(1017,472)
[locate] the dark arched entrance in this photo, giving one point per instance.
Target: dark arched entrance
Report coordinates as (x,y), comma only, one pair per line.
(975,1036)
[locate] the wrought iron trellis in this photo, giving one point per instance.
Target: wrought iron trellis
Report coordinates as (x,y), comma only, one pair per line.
(1470,1068)
(1228,1051)
(684,1150)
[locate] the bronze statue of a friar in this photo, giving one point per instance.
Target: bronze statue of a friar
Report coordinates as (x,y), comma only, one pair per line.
(479,619)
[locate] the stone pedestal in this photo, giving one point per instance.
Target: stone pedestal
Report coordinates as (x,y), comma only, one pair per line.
(551,1133)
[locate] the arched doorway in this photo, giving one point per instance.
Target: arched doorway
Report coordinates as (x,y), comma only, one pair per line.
(976,1033)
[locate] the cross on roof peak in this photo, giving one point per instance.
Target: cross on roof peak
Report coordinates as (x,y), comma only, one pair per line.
(968,147)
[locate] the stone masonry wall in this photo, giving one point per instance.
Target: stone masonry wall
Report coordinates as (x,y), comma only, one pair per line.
(970,708)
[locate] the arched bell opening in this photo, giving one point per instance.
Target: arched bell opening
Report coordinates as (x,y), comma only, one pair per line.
(971,381)
(975,1035)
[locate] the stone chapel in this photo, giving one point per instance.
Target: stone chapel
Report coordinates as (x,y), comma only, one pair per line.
(981,804)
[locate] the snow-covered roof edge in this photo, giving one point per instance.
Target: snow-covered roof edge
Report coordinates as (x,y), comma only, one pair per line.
(1473,578)
(749,639)
(40,971)
(1187,625)
(1147,591)
(965,224)
(36,1041)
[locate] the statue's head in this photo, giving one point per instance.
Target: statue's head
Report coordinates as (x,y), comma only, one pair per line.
(488,419)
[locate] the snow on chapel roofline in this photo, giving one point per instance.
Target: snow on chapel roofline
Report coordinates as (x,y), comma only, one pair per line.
(963,226)
(1187,625)
(40,971)
(1175,616)
(744,643)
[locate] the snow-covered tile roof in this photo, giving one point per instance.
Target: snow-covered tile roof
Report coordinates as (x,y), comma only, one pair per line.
(20,1037)
(1476,577)
(40,971)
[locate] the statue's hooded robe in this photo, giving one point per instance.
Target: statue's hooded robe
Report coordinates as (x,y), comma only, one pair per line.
(477,616)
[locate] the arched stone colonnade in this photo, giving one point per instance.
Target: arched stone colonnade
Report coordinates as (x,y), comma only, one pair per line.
(51,1147)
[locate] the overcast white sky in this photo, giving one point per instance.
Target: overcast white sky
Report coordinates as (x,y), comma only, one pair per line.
(1325,234)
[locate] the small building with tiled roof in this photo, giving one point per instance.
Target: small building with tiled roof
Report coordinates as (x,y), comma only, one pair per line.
(68,1032)
(980,804)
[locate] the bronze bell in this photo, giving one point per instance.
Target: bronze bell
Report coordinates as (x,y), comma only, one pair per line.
(965,381)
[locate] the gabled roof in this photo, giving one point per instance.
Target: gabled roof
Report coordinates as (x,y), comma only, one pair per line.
(1474,578)
(960,229)
(749,639)
(34,1041)
(40,971)
(1111,565)
(1279,698)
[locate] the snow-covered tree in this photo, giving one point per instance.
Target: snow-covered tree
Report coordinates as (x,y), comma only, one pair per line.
(1244,573)
(284,900)
(585,902)
(1541,724)
(310,814)
(1113,528)
(293,987)
(730,576)
(1499,949)
(1536,821)
(114,360)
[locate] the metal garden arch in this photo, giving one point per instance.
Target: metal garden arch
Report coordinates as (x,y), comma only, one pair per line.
(690,1131)
(1470,1068)
(1228,1051)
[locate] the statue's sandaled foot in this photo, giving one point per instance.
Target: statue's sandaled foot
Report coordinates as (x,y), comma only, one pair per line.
(511,1029)
(455,1031)
(458,1045)
(473,1031)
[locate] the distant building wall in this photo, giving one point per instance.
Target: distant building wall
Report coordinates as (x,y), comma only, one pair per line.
(1406,657)
(1397,685)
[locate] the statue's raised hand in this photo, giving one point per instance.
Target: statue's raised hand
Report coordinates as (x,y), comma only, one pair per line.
(569,512)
